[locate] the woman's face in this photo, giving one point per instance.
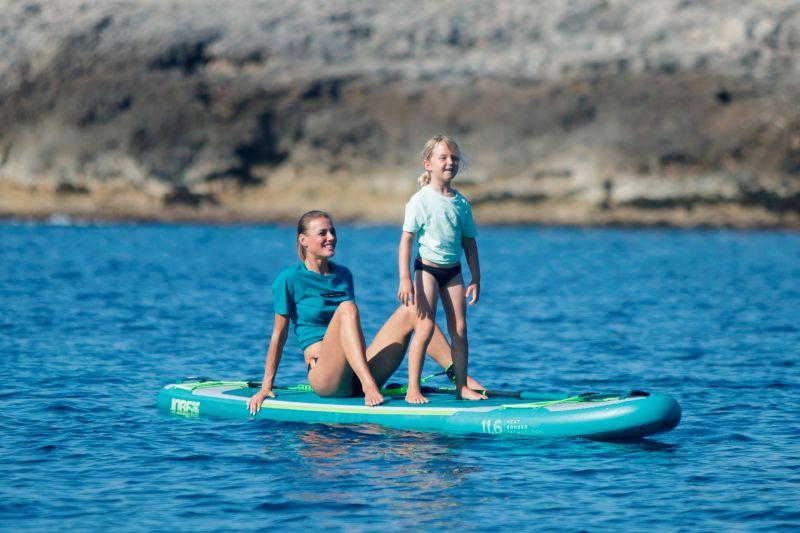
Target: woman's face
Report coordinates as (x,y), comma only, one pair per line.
(319,240)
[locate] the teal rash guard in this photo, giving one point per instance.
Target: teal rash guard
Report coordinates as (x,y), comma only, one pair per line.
(439,223)
(310,299)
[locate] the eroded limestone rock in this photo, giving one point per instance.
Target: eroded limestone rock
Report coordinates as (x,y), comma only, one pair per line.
(570,112)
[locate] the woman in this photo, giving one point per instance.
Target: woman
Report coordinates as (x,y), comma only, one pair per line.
(317,297)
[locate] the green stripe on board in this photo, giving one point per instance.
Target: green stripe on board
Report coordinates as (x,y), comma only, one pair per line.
(195,385)
(571,399)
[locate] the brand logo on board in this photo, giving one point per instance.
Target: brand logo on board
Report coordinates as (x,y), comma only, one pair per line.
(185,407)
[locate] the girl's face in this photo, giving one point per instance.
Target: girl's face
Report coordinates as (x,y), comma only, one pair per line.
(319,240)
(443,164)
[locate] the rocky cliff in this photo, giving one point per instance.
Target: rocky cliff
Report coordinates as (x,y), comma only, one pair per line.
(681,112)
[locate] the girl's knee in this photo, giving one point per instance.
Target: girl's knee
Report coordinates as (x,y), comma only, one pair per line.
(458,331)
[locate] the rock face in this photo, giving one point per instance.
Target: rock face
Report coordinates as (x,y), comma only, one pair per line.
(679,112)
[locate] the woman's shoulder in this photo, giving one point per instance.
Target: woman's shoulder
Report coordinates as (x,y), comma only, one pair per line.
(288,273)
(339,270)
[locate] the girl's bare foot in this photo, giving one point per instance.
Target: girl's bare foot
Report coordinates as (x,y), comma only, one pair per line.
(471,383)
(469,394)
(373,396)
(474,385)
(415,396)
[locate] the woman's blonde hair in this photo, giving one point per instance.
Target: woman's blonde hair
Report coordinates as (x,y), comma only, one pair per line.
(302,227)
(427,152)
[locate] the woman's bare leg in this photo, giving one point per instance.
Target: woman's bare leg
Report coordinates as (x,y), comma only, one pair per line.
(386,351)
(455,308)
(427,294)
(341,354)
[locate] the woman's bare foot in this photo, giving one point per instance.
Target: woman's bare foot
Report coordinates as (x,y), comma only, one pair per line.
(373,396)
(415,396)
(469,394)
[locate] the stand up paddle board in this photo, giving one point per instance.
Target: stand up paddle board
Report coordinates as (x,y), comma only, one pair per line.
(591,415)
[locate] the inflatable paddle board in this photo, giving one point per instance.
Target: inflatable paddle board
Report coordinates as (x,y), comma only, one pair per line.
(591,415)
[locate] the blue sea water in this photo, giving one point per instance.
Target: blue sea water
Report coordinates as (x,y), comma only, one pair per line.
(95,319)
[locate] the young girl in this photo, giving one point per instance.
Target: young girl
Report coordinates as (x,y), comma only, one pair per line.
(440,218)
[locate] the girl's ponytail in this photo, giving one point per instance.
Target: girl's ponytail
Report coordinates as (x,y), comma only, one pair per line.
(424,179)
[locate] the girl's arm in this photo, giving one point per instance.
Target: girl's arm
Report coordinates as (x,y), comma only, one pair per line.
(406,291)
(470,246)
(279,333)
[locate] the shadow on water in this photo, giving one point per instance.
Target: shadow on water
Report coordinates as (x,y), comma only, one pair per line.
(641,444)
(350,446)
(342,451)
(335,466)
(429,474)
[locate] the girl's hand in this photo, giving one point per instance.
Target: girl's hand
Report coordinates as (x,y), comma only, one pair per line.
(255,401)
(474,289)
(406,292)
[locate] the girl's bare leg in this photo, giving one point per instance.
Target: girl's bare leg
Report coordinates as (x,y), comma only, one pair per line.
(427,295)
(342,353)
(455,308)
(440,351)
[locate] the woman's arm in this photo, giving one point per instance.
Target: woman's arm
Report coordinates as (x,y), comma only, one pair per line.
(406,291)
(279,332)
(470,246)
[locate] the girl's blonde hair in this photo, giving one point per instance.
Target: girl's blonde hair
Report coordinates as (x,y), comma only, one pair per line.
(427,152)
(302,227)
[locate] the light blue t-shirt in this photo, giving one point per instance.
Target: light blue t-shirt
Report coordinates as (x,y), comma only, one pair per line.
(310,299)
(439,223)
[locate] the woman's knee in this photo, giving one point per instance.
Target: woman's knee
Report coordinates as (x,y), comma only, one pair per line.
(409,314)
(424,327)
(348,309)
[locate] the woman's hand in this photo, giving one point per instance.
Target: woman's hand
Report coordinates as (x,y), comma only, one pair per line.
(406,292)
(255,401)
(474,289)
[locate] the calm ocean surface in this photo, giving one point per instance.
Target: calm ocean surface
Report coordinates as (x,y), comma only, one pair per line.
(94,320)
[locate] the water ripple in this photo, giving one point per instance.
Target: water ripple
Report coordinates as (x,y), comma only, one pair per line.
(95,319)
